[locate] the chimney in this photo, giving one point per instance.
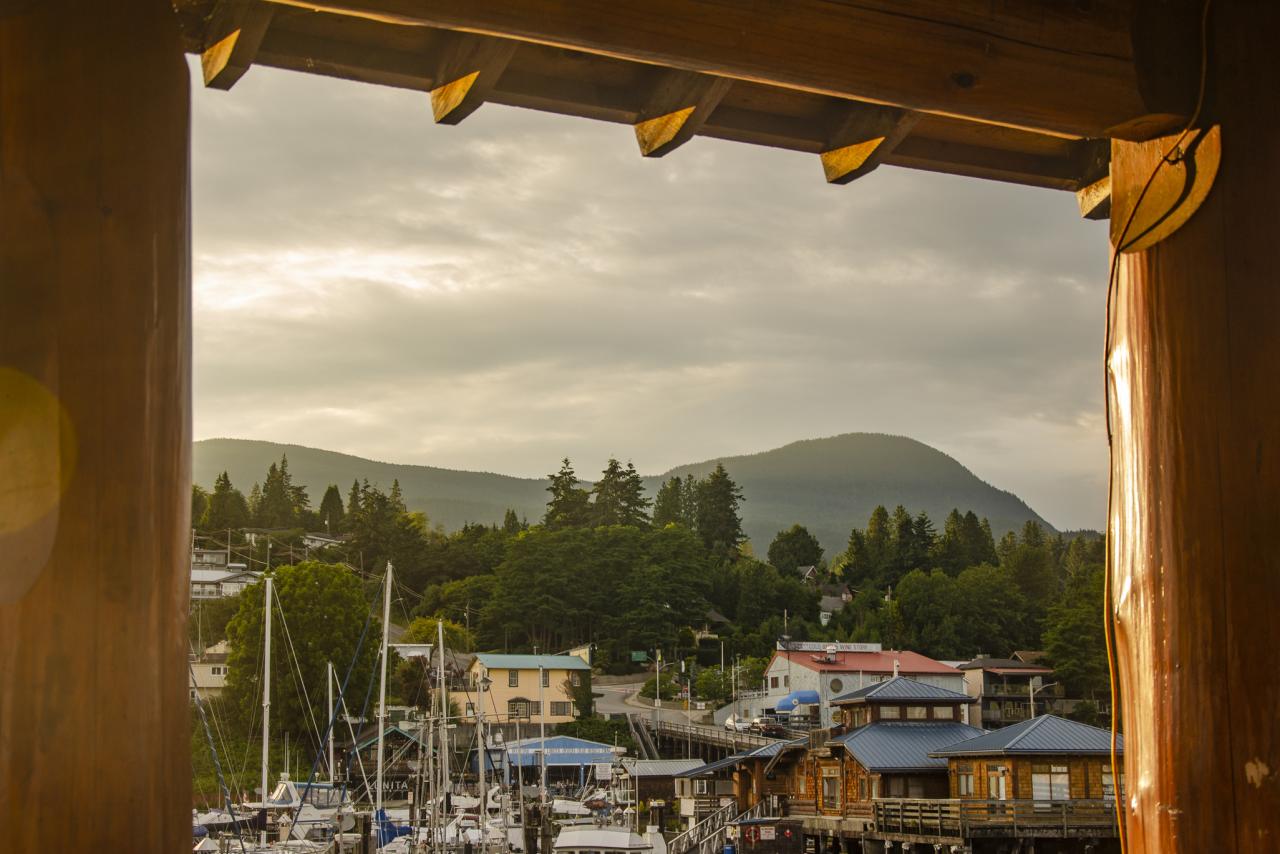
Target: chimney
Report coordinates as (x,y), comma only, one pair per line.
(896,667)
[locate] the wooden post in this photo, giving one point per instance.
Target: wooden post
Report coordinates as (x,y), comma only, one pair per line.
(1194,400)
(95,427)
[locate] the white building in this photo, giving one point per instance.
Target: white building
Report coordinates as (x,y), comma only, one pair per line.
(208,673)
(213,583)
(813,673)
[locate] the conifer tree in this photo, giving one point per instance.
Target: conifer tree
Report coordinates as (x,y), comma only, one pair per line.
(635,506)
(228,509)
(607,507)
(255,505)
(719,523)
(569,506)
(511,523)
(199,506)
(332,512)
(668,505)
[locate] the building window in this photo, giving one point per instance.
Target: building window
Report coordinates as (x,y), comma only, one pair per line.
(518,708)
(559,709)
(470,710)
(1109,784)
(944,713)
(773,681)
(699,787)
(513,678)
(575,679)
(862,788)
(1050,783)
(837,685)
(890,712)
(996,784)
(830,788)
(786,681)
(546,678)
(917,713)
(964,784)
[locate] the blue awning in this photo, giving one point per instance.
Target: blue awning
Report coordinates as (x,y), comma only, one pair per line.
(788,704)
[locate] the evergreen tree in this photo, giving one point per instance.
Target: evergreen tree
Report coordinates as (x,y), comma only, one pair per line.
(668,505)
(794,548)
(1074,635)
(396,497)
(607,507)
(511,523)
(199,506)
(901,544)
(569,506)
(949,552)
(634,505)
(689,502)
(255,506)
(332,512)
(719,523)
(353,502)
(876,539)
(276,509)
(228,509)
(923,537)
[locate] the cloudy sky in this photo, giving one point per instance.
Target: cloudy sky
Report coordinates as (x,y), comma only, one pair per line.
(524,287)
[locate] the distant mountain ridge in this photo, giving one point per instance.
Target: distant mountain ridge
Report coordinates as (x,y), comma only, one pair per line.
(829,485)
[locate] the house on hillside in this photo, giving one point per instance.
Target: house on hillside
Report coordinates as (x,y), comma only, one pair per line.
(832,669)
(207,674)
(533,688)
(1002,687)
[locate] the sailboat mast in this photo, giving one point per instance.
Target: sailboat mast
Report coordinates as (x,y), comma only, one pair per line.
(444,720)
(483,760)
(382,693)
(333,776)
(266,698)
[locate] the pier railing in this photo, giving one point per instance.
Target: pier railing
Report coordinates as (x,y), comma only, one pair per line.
(963,818)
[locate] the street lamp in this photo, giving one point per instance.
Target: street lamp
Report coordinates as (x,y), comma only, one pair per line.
(1037,685)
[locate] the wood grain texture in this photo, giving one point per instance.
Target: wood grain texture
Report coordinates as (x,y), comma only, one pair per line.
(231,42)
(679,103)
(466,69)
(1061,67)
(608,89)
(1193,374)
(95,307)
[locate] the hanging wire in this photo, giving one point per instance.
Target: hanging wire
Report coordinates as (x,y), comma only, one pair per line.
(217,766)
(1173,155)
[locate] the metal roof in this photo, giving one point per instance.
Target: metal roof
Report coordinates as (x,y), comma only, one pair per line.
(844,661)
(900,746)
(1004,664)
(774,747)
(660,767)
(494,660)
(1047,734)
(713,767)
(904,689)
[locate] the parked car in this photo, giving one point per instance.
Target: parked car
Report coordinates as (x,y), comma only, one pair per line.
(764,726)
(737,724)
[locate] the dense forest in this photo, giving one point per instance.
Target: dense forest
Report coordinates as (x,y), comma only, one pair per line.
(609,566)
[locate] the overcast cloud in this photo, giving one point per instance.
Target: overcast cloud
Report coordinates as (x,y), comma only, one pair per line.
(524,287)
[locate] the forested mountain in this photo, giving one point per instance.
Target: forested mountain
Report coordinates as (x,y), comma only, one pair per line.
(824,483)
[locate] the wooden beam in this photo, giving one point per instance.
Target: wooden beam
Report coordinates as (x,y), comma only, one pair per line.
(235,32)
(1062,68)
(864,135)
(677,107)
(95,447)
(1193,368)
(1095,199)
(467,68)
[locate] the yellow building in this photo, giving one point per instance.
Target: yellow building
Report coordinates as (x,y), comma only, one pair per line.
(520,687)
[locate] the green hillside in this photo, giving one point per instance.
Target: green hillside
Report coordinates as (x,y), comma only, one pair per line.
(829,485)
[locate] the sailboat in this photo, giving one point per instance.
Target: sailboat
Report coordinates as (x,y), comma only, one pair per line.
(306,817)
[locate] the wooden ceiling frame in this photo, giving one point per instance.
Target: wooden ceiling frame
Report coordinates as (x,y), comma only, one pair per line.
(719,89)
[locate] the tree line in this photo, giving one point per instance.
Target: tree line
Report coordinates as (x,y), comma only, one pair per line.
(607,566)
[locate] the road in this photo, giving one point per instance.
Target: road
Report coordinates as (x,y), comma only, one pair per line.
(618,700)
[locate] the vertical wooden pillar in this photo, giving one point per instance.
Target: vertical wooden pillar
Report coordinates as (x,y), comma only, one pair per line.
(95,427)
(1194,397)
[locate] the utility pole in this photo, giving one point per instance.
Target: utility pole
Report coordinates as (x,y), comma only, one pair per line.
(657,688)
